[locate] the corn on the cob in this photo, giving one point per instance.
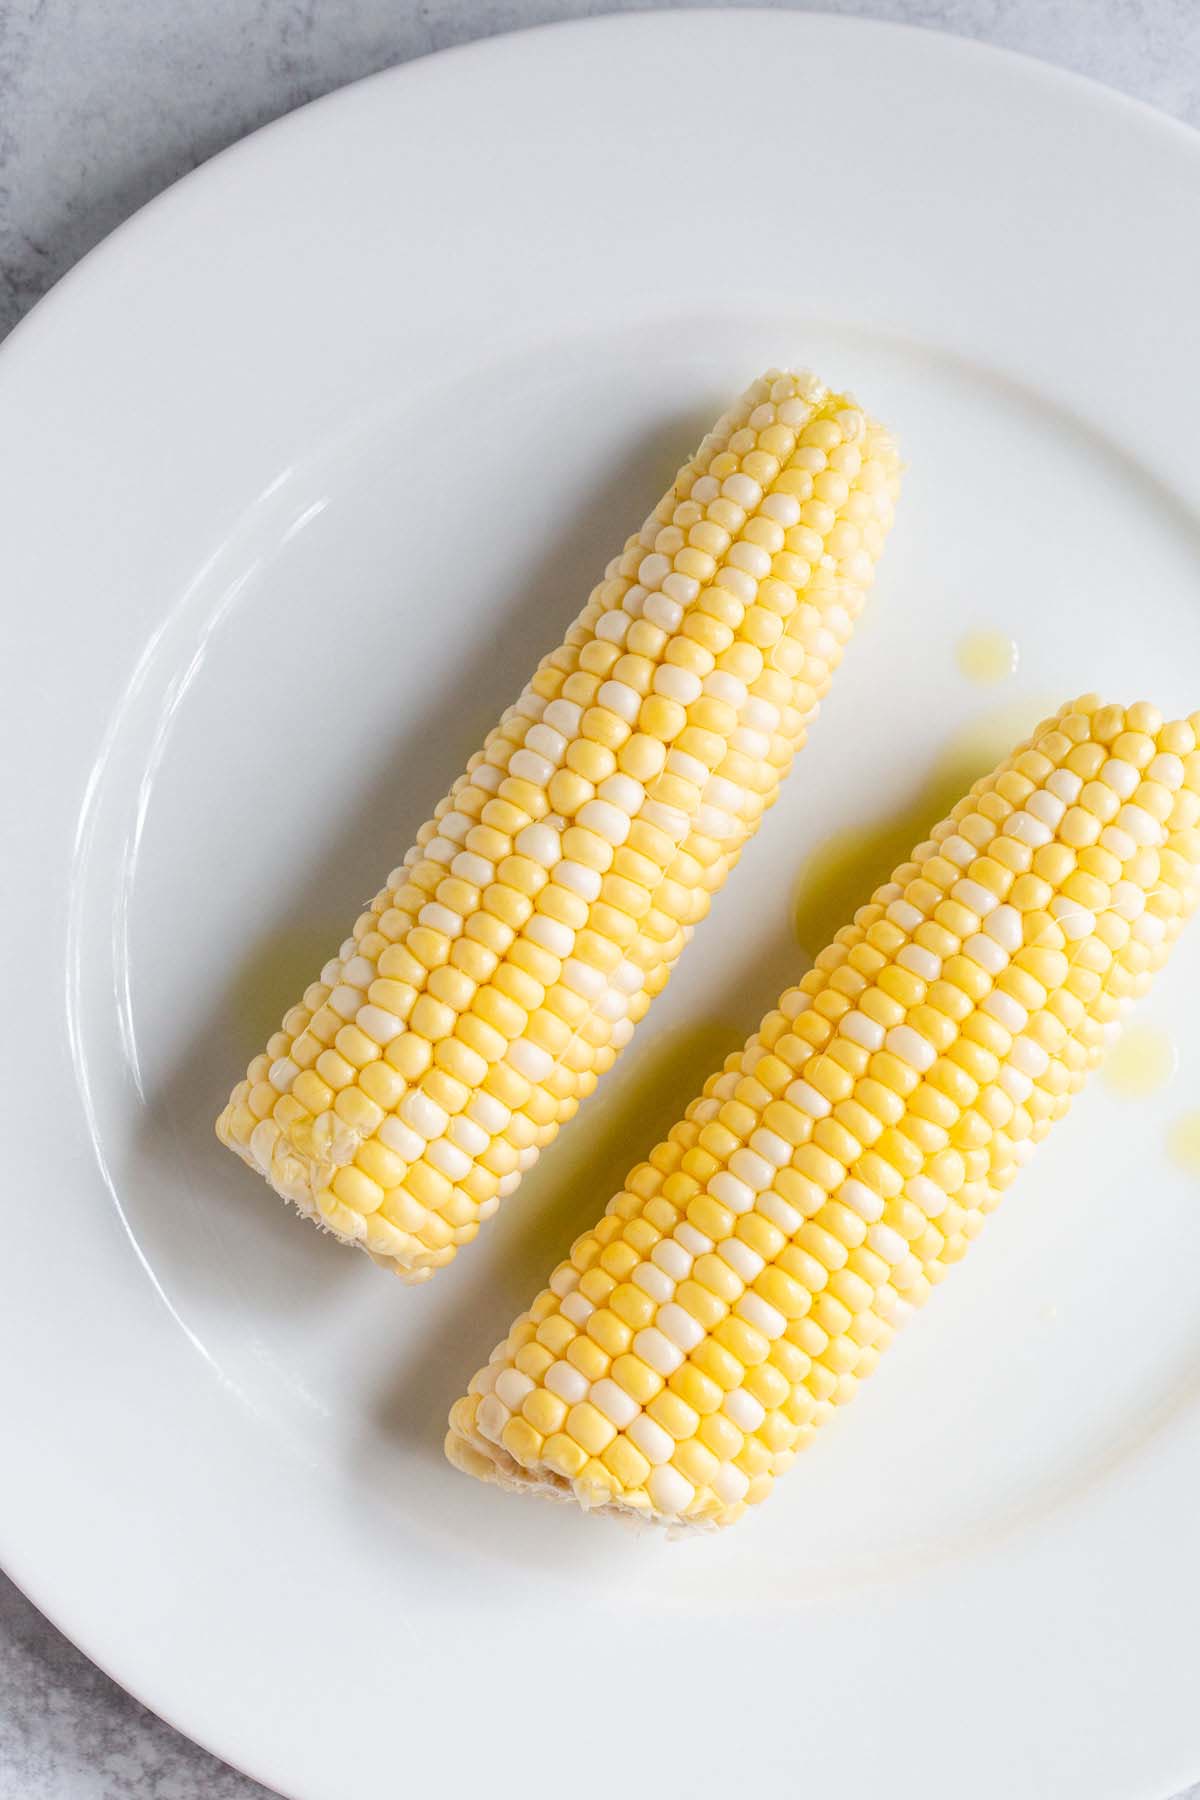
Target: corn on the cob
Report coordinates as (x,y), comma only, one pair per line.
(752,1270)
(508,958)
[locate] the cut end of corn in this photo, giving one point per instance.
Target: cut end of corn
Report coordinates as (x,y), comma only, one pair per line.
(750,1273)
(507,960)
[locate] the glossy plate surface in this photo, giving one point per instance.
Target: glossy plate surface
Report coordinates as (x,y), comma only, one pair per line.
(299,473)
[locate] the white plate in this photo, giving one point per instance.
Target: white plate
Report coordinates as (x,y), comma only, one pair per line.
(299,472)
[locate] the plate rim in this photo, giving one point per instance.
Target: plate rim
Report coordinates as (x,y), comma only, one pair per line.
(1032,66)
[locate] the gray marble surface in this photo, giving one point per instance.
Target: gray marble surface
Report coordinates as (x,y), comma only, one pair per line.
(102,104)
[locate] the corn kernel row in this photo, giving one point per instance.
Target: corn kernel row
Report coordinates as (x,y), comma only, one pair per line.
(753,1269)
(508,959)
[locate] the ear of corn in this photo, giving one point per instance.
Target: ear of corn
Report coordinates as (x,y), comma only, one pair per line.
(752,1270)
(508,958)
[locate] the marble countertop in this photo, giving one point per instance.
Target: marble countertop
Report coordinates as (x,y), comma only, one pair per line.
(102,104)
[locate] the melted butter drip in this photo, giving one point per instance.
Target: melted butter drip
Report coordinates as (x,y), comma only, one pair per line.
(986,657)
(1184,1144)
(1142,1060)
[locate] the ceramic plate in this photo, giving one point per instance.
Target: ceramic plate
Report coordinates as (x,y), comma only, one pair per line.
(300,472)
